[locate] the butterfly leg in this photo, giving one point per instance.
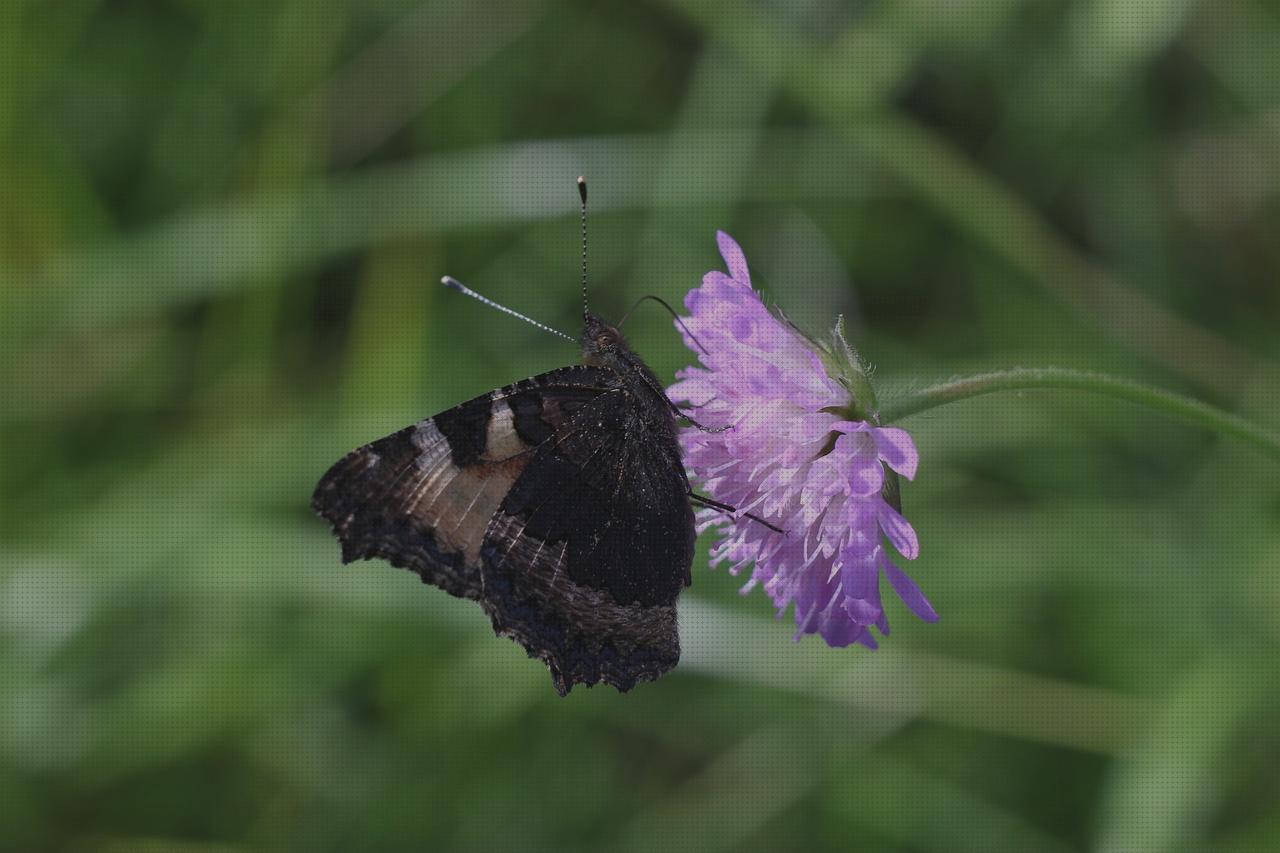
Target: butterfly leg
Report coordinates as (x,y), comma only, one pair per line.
(730,510)
(682,414)
(679,412)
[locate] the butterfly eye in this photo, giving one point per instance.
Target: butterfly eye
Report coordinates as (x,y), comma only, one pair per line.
(606,339)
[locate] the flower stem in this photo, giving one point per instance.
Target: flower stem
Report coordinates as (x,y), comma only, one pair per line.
(1186,409)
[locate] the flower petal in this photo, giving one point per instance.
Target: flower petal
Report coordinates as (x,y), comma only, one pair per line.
(733,258)
(695,388)
(865,477)
(861,611)
(897,450)
(900,532)
(910,594)
(806,624)
(837,630)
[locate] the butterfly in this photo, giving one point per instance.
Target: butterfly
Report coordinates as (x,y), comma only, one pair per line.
(559,503)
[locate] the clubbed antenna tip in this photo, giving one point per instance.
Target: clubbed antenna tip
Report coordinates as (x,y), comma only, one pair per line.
(582,193)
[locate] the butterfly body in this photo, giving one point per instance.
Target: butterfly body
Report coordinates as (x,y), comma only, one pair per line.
(559,503)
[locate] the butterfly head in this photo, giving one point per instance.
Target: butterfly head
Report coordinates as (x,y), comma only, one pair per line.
(603,345)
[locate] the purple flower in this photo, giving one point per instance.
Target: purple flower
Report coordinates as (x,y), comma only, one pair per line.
(805,453)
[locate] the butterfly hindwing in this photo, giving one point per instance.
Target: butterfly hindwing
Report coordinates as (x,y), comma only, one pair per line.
(591,547)
(552,502)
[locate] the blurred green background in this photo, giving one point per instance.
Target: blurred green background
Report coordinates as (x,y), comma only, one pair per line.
(221,228)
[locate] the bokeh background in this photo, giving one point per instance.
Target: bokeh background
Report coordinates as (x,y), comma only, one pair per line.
(222,225)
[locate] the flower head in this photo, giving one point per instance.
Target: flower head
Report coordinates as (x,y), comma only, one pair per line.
(804,452)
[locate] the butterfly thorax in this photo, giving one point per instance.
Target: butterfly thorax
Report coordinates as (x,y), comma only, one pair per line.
(604,346)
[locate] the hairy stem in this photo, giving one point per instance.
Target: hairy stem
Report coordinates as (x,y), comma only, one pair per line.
(1182,408)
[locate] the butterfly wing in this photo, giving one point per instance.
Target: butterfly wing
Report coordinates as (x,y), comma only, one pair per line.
(584,560)
(548,502)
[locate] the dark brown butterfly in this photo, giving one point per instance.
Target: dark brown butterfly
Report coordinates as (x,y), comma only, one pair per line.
(559,503)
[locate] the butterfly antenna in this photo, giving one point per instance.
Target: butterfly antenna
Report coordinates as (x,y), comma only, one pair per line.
(449,281)
(650,297)
(582,194)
